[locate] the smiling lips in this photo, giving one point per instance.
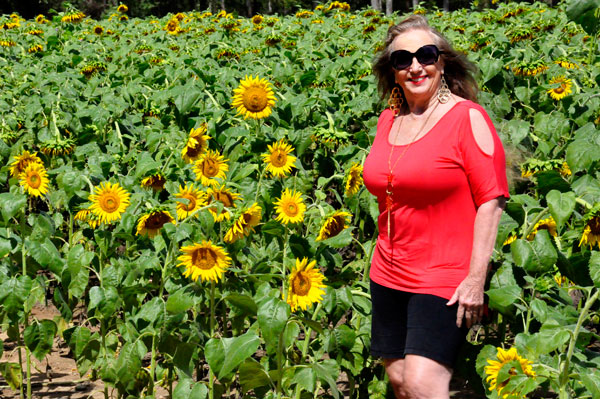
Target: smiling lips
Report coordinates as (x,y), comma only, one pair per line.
(418,80)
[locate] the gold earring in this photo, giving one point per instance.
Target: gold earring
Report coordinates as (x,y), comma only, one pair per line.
(443,93)
(395,101)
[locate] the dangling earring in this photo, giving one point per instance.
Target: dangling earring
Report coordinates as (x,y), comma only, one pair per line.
(395,101)
(443,93)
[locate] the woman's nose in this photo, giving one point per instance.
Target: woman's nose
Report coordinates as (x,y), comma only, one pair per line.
(415,65)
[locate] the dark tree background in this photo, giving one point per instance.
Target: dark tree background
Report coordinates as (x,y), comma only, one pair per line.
(142,8)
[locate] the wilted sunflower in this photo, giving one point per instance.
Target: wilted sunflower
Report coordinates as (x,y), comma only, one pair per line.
(172,27)
(279,162)
(21,162)
(122,8)
(209,167)
(196,144)
(334,225)
(544,224)
(306,285)
(354,179)
(254,98)
(245,224)
(196,199)
(564,88)
(156,182)
(87,216)
(257,19)
(73,16)
(225,197)
(34,179)
(591,232)
(494,367)
(290,207)
(109,202)
(36,48)
(205,260)
(36,32)
(152,222)
(40,19)
(7,43)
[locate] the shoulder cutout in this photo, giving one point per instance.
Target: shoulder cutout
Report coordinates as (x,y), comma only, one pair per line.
(481,132)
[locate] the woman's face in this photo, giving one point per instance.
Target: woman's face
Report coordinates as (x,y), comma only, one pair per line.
(419,82)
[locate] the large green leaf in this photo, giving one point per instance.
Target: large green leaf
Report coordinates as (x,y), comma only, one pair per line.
(537,256)
(561,206)
(12,374)
(105,300)
(584,13)
(13,293)
(273,314)
(581,154)
(78,263)
(39,337)
(252,375)
(11,203)
(46,254)
(595,268)
(180,301)
(225,354)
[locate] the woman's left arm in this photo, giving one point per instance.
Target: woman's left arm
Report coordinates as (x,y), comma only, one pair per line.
(469,293)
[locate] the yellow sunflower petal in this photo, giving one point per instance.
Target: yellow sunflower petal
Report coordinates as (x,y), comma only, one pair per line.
(205,261)
(254,98)
(109,202)
(305,285)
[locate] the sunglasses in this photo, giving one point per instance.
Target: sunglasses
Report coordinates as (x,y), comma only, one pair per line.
(426,55)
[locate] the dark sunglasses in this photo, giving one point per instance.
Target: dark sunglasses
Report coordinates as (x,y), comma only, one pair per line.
(426,55)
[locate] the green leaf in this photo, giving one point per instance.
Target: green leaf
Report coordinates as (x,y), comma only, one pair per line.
(517,130)
(12,374)
(487,352)
(272,314)
(105,300)
(591,379)
(343,239)
(501,298)
(242,302)
(305,378)
(183,358)
(145,163)
(490,67)
(187,389)
(561,206)
(344,337)
(46,254)
(39,337)
(252,375)
(595,268)
(552,336)
(13,293)
(11,204)
(583,12)
(188,97)
(225,354)
(581,154)
(180,301)
(540,309)
(535,257)
(78,261)
(328,371)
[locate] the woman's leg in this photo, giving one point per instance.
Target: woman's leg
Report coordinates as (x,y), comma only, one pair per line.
(395,371)
(417,377)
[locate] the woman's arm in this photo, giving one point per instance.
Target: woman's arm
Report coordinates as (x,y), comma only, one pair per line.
(469,294)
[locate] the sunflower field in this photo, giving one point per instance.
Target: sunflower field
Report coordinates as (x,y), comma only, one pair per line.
(187,192)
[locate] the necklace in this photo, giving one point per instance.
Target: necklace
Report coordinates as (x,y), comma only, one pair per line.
(389,191)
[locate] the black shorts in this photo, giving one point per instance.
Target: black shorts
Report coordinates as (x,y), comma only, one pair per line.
(417,324)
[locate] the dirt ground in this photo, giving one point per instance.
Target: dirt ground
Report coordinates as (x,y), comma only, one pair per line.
(57,378)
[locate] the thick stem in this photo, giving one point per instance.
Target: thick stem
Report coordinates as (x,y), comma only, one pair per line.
(529,311)
(307,334)
(534,222)
(211,377)
(283,267)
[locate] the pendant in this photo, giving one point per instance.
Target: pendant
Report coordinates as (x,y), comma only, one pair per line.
(388,202)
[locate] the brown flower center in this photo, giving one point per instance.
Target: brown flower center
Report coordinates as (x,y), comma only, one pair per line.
(336,225)
(301,284)
(255,99)
(34,181)
(595,226)
(193,152)
(291,209)
(210,168)
(191,205)
(157,220)
(278,158)
(204,258)
(109,202)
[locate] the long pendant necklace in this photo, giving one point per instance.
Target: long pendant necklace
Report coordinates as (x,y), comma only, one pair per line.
(389,191)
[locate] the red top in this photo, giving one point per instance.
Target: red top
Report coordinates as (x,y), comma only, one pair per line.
(437,186)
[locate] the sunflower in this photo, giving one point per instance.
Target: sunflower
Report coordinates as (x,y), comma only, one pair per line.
(354,179)
(34,179)
(257,19)
(152,222)
(510,239)
(290,207)
(123,18)
(544,224)
(279,162)
(225,197)
(196,144)
(306,285)
(245,224)
(591,232)
(205,260)
(564,88)
(36,48)
(41,19)
(494,367)
(334,225)
(109,202)
(196,199)
(122,8)
(156,182)
(172,27)
(86,215)
(21,162)
(565,171)
(98,30)
(209,167)
(254,98)
(73,16)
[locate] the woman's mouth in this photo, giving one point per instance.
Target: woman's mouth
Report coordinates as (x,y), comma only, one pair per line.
(418,79)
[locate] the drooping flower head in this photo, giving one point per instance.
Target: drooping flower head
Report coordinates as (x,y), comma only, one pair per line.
(305,285)
(591,231)
(205,261)
(196,199)
(196,144)
(210,168)
(21,161)
(494,366)
(290,207)
(87,216)
(155,181)
(109,202)
(244,224)
(225,197)
(334,225)
(122,8)
(151,223)
(354,179)
(544,224)
(254,98)
(34,179)
(279,161)
(562,90)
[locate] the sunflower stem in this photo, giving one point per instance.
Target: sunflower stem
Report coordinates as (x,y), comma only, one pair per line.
(211,382)
(307,334)
(283,268)
(258,185)
(531,226)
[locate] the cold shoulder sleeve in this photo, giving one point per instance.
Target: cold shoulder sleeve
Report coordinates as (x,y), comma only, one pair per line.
(486,173)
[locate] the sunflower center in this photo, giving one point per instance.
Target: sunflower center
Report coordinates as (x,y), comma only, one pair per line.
(595,226)
(157,220)
(192,152)
(225,199)
(34,181)
(301,284)
(109,203)
(336,226)
(210,168)
(560,89)
(278,158)
(255,99)
(204,258)
(191,205)
(291,209)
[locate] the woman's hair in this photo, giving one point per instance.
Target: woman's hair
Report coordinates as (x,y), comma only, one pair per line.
(458,71)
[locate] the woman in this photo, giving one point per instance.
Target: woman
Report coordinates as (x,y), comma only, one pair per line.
(437,169)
